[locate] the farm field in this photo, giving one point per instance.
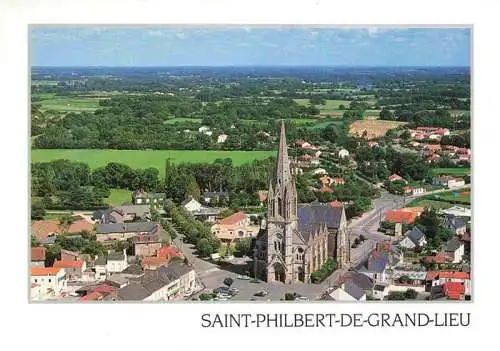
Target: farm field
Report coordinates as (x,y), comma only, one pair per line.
(145,158)
(118,197)
(374,128)
(324,124)
(331,107)
(67,104)
(451,171)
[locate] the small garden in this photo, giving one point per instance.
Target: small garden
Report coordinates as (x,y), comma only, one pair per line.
(325,271)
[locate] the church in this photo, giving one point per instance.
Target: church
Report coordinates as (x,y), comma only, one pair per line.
(299,238)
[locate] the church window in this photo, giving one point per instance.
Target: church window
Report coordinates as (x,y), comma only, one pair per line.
(275,246)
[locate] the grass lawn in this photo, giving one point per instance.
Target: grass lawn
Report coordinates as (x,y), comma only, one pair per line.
(178,120)
(430,203)
(451,171)
(70,104)
(145,158)
(118,197)
(456,196)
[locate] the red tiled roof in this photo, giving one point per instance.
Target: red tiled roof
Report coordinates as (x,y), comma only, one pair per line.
(168,252)
(326,189)
(335,204)
(431,275)
(38,254)
(456,287)
(80,226)
(43,271)
(233,219)
(454,275)
(439,259)
(154,261)
(42,229)
(68,264)
(103,288)
(398,216)
(94,295)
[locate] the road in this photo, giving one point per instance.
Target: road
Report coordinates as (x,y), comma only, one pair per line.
(212,276)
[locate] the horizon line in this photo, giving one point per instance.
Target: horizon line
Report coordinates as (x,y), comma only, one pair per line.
(252,66)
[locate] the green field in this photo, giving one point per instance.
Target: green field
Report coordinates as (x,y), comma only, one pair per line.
(324,124)
(145,158)
(430,203)
(449,196)
(451,171)
(179,120)
(51,102)
(118,197)
(331,107)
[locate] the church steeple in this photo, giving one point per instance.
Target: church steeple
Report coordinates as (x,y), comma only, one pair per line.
(283,174)
(282,203)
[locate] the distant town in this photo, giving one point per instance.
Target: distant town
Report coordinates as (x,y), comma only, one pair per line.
(290,184)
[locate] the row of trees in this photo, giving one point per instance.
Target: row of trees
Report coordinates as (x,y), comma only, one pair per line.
(196,232)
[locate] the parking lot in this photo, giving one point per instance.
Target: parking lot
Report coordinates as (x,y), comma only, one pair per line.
(214,278)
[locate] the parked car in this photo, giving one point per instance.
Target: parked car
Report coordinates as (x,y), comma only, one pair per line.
(244,277)
(222,290)
(302,298)
(234,291)
(261,293)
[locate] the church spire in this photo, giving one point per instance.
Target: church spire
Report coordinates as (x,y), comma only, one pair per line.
(283,163)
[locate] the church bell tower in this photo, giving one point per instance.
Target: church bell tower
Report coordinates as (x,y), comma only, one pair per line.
(281,217)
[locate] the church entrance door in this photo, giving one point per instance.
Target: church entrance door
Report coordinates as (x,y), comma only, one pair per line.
(279,272)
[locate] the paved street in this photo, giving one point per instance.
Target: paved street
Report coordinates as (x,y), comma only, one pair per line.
(213,275)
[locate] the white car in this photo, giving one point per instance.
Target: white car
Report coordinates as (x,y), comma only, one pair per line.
(302,298)
(244,277)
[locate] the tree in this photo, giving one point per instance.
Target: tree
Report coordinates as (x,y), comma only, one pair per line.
(386,114)
(243,246)
(204,248)
(34,241)
(192,189)
(37,210)
(66,221)
(226,212)
(228,281)
(316,100)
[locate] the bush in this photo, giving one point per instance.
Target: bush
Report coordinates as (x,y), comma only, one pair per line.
(397,295)
(289,297)
(322,273)
(205,297)
(411,294)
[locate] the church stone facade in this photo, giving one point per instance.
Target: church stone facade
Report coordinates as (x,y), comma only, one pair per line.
(299,238)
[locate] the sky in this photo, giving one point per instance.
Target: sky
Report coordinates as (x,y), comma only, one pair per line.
(249,46)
